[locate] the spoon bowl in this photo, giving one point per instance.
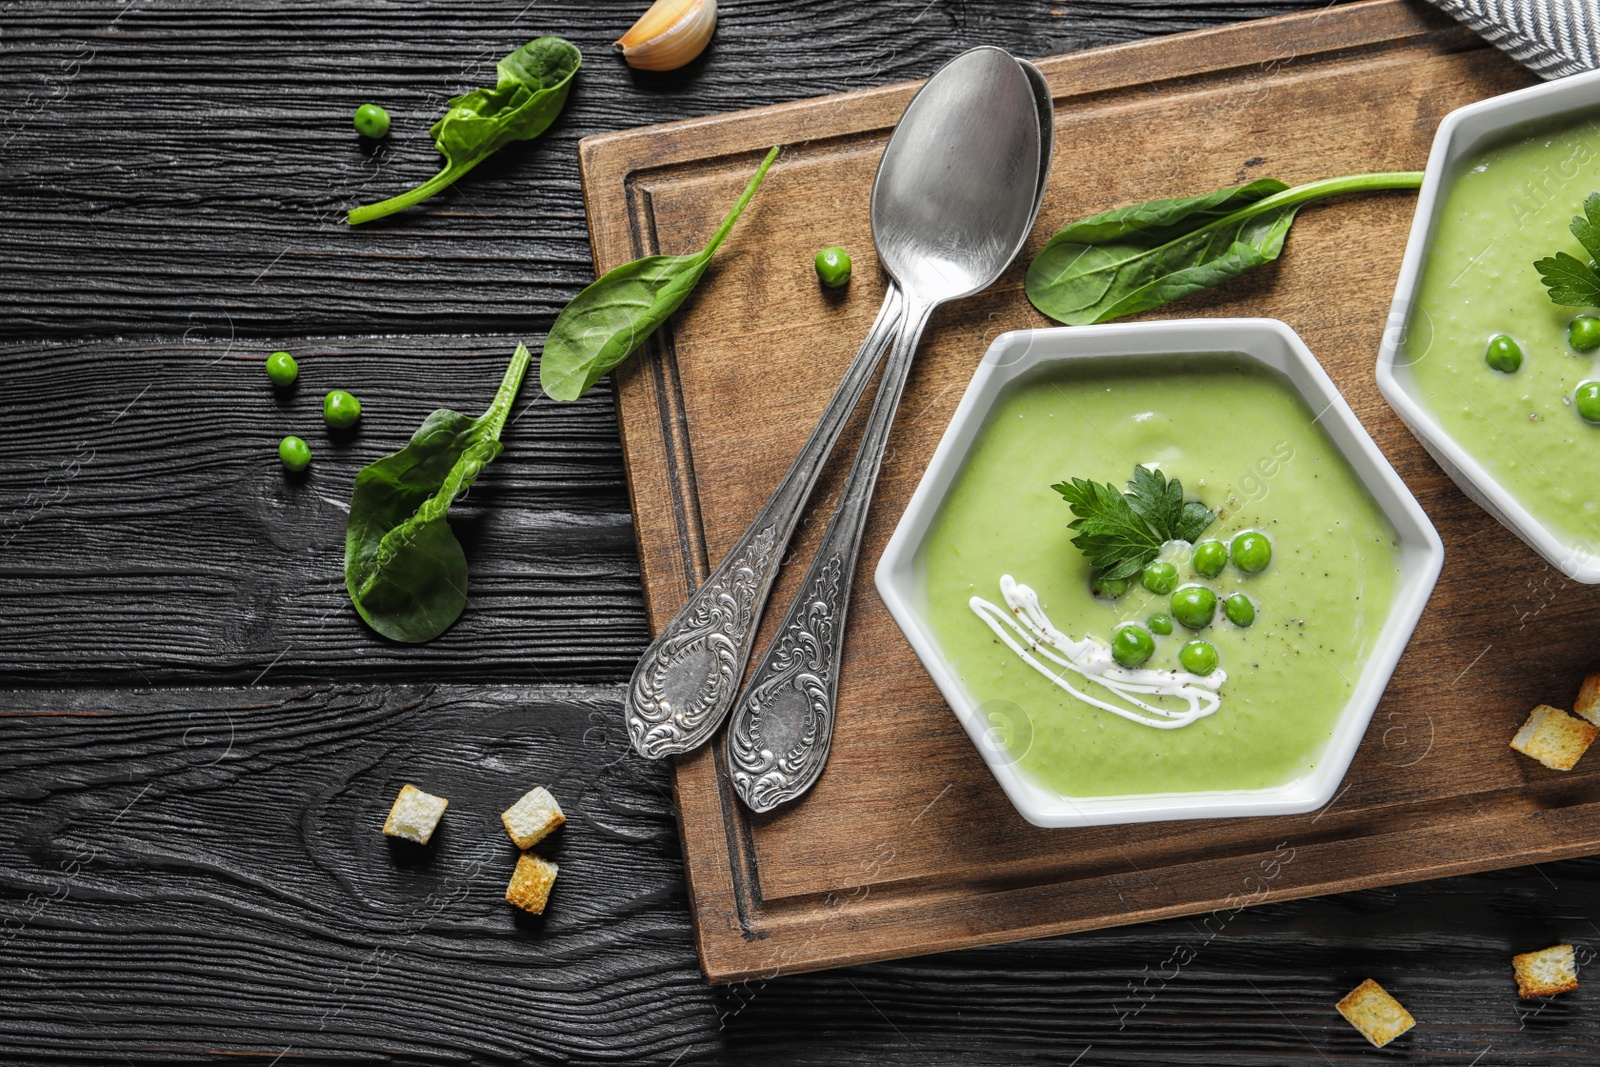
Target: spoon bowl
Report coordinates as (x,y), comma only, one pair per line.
(1045,103)
(955,194)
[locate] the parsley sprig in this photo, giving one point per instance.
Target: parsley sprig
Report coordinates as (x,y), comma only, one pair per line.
(1121,532)
(1573,283)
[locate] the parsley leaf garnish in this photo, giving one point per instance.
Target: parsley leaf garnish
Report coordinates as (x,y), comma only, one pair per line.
(1121,532)
(1114,537)
(1154,499)
(1573,283)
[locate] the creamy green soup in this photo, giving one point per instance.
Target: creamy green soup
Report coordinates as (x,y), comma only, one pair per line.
(1505,208)
(1243,442)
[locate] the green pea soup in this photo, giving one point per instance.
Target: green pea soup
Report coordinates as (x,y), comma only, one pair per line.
(1506,206)
(1240,439)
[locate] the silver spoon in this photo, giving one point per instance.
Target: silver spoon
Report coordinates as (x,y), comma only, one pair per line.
(685,683)
(686,680)
(1044,103)
(956,195)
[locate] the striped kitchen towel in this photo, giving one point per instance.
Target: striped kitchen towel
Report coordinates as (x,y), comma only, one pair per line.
(1550,37)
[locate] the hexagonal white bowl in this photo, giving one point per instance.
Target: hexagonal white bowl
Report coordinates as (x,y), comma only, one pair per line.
(1461,132)
(1266,341)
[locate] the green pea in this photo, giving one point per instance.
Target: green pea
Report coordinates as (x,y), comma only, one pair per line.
(1503,354)
(1583,333)
(1239,610)
(340,410)
(1131,645)
(1252,552)
(1194,606)
(282,368)
(1210,557)
(1159,624)
(1587,399)
(833,267)
(1160,578)
(295,453)
(1198,657)
(371,121)
(1110,588)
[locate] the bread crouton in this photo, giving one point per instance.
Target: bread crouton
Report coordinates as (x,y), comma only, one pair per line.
(531,882)
(1380,1018)
(1554,738)
(415,814)
(532,817)
(1546,972)
(1587,706)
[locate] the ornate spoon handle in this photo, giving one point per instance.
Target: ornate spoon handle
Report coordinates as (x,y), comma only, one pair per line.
(782,724)
(687,679)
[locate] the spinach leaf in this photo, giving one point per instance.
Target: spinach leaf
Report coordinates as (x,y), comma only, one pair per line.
(404,568)
(606,322)
(1162,218)
(531,91)
(1136,258)
(1571,282)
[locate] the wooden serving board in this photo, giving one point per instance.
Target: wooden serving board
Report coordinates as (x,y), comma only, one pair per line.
(907,845)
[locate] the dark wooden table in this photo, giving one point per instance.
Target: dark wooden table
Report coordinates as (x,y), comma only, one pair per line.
(200,739)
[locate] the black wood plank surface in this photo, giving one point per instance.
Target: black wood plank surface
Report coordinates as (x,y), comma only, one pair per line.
(163,541)
(199,739)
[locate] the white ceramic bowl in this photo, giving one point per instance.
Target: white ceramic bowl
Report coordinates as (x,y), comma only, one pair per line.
(1267,341)
(1463,131)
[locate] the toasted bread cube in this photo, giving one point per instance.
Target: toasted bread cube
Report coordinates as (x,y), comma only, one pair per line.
(532,817)
(1554,738)
(531,882)
(415,814)
(1380,1018)
(1546,972)
(1587,706)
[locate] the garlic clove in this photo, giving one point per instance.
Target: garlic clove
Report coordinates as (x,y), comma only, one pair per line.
(670,34)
